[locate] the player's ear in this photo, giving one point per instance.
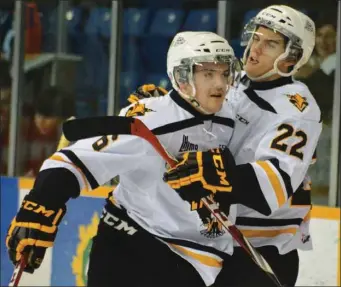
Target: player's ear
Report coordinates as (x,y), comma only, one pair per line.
(289,63)
(285,65)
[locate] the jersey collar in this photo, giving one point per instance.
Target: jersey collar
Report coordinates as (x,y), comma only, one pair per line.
(282,81)
(180,101)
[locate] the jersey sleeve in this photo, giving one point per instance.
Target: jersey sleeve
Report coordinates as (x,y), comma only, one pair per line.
(95,161)
(281,161)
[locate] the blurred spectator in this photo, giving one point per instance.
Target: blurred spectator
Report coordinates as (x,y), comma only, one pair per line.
(6,17)
(321,84)
(321,81)
(5,98)
(40,127)
(51,108)
(5,92)
(8,45)
(33,33)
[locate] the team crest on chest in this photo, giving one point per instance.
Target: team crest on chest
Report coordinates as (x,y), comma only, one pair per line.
(138,110)
(298,101)
(186,145)
(210,227)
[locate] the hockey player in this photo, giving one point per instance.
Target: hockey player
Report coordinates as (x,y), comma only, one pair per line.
(277,126)
(147,235)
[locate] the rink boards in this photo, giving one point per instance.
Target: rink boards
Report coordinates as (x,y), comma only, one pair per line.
(66,263)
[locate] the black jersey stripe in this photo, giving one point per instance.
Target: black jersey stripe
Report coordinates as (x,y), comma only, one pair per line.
(75,160)
(285,177)
(261,103)
(188,123)
(223,121)
(177,126)
(265,222)
(248,190)
(193,245)
(301,197)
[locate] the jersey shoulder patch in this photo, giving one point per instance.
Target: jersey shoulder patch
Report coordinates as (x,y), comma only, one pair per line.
(153,112)
(298,101)
(138,109)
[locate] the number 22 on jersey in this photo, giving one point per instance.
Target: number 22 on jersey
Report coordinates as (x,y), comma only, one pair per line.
(286,131)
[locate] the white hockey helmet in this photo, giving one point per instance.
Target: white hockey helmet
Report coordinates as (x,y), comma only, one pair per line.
(190,48)
(296,26)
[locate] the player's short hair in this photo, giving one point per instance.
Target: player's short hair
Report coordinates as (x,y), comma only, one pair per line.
(55,102)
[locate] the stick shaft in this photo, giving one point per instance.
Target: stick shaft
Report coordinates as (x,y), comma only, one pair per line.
(18,270)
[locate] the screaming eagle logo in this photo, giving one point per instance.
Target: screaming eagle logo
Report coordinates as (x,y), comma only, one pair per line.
(298,101)
(138,110)
(80,262)
(211,228)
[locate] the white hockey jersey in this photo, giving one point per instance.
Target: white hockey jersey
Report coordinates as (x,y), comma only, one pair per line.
(149,201)
(277,126)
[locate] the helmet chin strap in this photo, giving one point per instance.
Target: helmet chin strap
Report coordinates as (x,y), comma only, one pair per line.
(193,101)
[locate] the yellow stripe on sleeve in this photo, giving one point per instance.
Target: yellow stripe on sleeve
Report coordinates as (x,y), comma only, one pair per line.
(268,233)
(275,183)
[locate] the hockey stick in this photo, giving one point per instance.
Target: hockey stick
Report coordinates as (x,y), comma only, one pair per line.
(18,270)
(103,126)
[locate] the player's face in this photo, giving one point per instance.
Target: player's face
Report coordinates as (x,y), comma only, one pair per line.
(325,41)
(46,125)
(211,82)
(265,48)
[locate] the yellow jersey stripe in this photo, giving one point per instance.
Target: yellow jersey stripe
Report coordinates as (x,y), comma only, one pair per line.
(275,183)
(203,259)
(267,233)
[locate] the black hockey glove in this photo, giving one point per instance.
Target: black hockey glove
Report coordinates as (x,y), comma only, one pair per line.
(33,230)
(200,174)
(146,91)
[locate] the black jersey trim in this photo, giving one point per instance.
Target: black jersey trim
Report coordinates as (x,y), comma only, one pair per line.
(268,85)
(301,197)
(284,175)
(247,189)
(177,126)
(265,222)
(193,245)
(223,121)
(261,103)
(185,105)
(188,123)
(75,160)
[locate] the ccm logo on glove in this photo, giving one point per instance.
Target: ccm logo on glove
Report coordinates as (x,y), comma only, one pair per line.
(218,163)
(36,208)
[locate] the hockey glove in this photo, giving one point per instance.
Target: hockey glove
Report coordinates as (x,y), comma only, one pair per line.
(146,91)
(33,230)
(200,174)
